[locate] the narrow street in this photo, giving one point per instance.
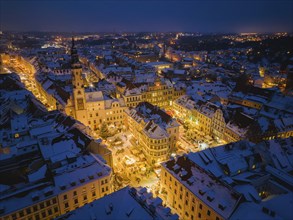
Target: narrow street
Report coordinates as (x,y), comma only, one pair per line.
(27,77)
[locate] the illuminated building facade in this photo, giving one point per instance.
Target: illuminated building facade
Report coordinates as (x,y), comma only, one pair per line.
(186,188)
(89,106)
(155,131)
(207,185)
(204,116)
(161,93)
(44,201)
(45,158)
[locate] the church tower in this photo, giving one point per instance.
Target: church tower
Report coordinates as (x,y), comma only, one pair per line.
(78,87)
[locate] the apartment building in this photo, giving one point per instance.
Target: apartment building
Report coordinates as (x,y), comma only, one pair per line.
(233,181)
(140,205)
(205,116)
(44,158)
(161,92)
(155,131)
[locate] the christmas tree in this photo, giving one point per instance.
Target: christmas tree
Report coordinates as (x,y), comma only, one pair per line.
(104,132)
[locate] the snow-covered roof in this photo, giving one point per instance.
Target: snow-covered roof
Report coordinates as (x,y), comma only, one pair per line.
(252,211)
(233,175)
(44,142)
(109,103)
(127,203)
(94,96)
(156,120)
(216,195)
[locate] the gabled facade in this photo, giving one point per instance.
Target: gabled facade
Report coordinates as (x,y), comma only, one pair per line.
(155,131)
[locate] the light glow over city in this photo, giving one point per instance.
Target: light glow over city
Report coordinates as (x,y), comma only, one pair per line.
(111,120)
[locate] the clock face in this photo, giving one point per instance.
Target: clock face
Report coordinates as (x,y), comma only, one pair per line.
(80,104)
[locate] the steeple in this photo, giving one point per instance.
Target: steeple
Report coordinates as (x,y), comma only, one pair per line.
(74,55)
(76,68)
(78,89)
(72,42)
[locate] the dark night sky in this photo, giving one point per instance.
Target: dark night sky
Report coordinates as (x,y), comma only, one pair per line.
(151,15)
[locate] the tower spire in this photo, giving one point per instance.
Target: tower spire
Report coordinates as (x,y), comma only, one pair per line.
(74,55)
(78,86)
(72,42)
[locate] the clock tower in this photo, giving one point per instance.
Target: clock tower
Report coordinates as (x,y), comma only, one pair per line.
(78,87)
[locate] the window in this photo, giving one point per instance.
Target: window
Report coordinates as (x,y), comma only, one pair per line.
(217,218)
(42,205)
(35,208)
(48,203)
(43,214)
(37,217)
(192,208)
(94,194)
(200,206)
(21,214)
(65,197)
(74,193)
(54,201)
(56,209)
(28,211)
(208,212)
(50,212)
(75,201)
(66,205)
(85,197)
(199,215)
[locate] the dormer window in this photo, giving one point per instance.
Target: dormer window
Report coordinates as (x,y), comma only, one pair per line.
(201,192)
(210,199)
